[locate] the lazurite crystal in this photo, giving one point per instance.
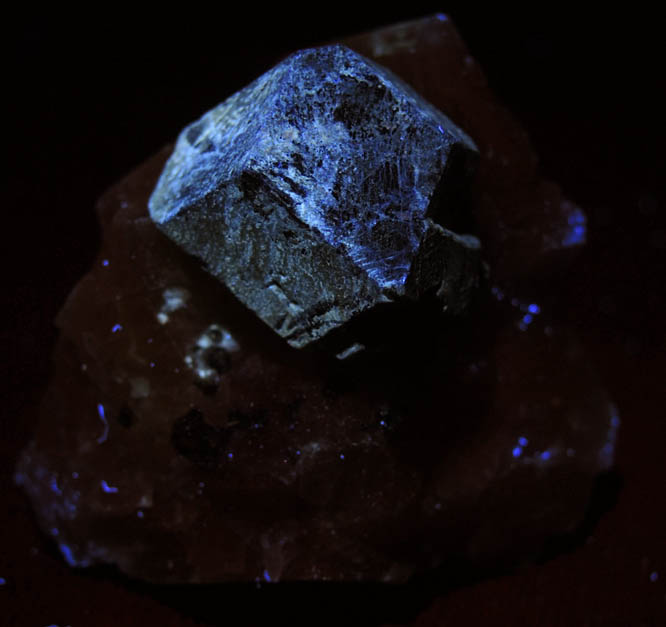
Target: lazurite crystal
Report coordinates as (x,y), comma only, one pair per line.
(319,192)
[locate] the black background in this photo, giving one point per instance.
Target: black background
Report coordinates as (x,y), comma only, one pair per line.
(89,97)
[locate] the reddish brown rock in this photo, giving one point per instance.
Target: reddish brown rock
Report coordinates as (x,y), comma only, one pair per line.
(184,442)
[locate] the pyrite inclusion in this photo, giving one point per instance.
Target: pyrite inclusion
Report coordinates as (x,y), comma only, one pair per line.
(312,194)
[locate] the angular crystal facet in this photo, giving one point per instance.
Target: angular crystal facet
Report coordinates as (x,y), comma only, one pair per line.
(313,194)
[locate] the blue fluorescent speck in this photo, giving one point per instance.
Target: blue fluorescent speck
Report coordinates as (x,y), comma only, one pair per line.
(527,318)
(545,455)
(533,308)
(575,236)
(102,417)
(522,440)
(615,419)
(578,231)
(267,577)
(67,554)
(3,581)
(109,489)
(517,452)
(576,217)
(654,575)
(441,130)
(116,327)
(342,456)
(230,455)
(54,487)
(105,262)
(139,514)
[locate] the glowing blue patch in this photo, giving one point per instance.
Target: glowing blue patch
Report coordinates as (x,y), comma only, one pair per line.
(545,455)
(342,456)
(441,17)
(527,318)
(576,235)
(267,577)
(55,488)
(67,554)
(230,455)
(116,327)
(533,308)
(654,576)
(577,217)
(523,441)
(139,514)
(3,581)
(105,262)
(75,475)
(109,489)
(102,416)
(441,130)
(517,452)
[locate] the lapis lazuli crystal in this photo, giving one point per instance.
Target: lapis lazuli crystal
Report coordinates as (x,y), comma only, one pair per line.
(319,192)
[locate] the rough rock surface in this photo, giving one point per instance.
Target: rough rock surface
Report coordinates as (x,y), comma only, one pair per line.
(320,191)
(184,441)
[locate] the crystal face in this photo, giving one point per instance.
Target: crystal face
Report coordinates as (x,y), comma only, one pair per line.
(184,441)
(312,194)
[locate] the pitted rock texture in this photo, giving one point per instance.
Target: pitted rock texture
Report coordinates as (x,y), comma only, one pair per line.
(319,192)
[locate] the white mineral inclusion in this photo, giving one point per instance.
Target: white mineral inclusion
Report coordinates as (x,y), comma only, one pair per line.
(174,298)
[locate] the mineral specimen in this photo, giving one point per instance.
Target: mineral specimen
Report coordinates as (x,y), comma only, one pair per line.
(184,441)
(321,191)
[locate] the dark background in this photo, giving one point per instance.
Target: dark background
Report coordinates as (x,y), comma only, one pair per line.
(88,98)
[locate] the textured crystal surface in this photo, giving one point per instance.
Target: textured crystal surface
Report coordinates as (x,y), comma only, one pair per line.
(529,229)
(314,194)
(184,441)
